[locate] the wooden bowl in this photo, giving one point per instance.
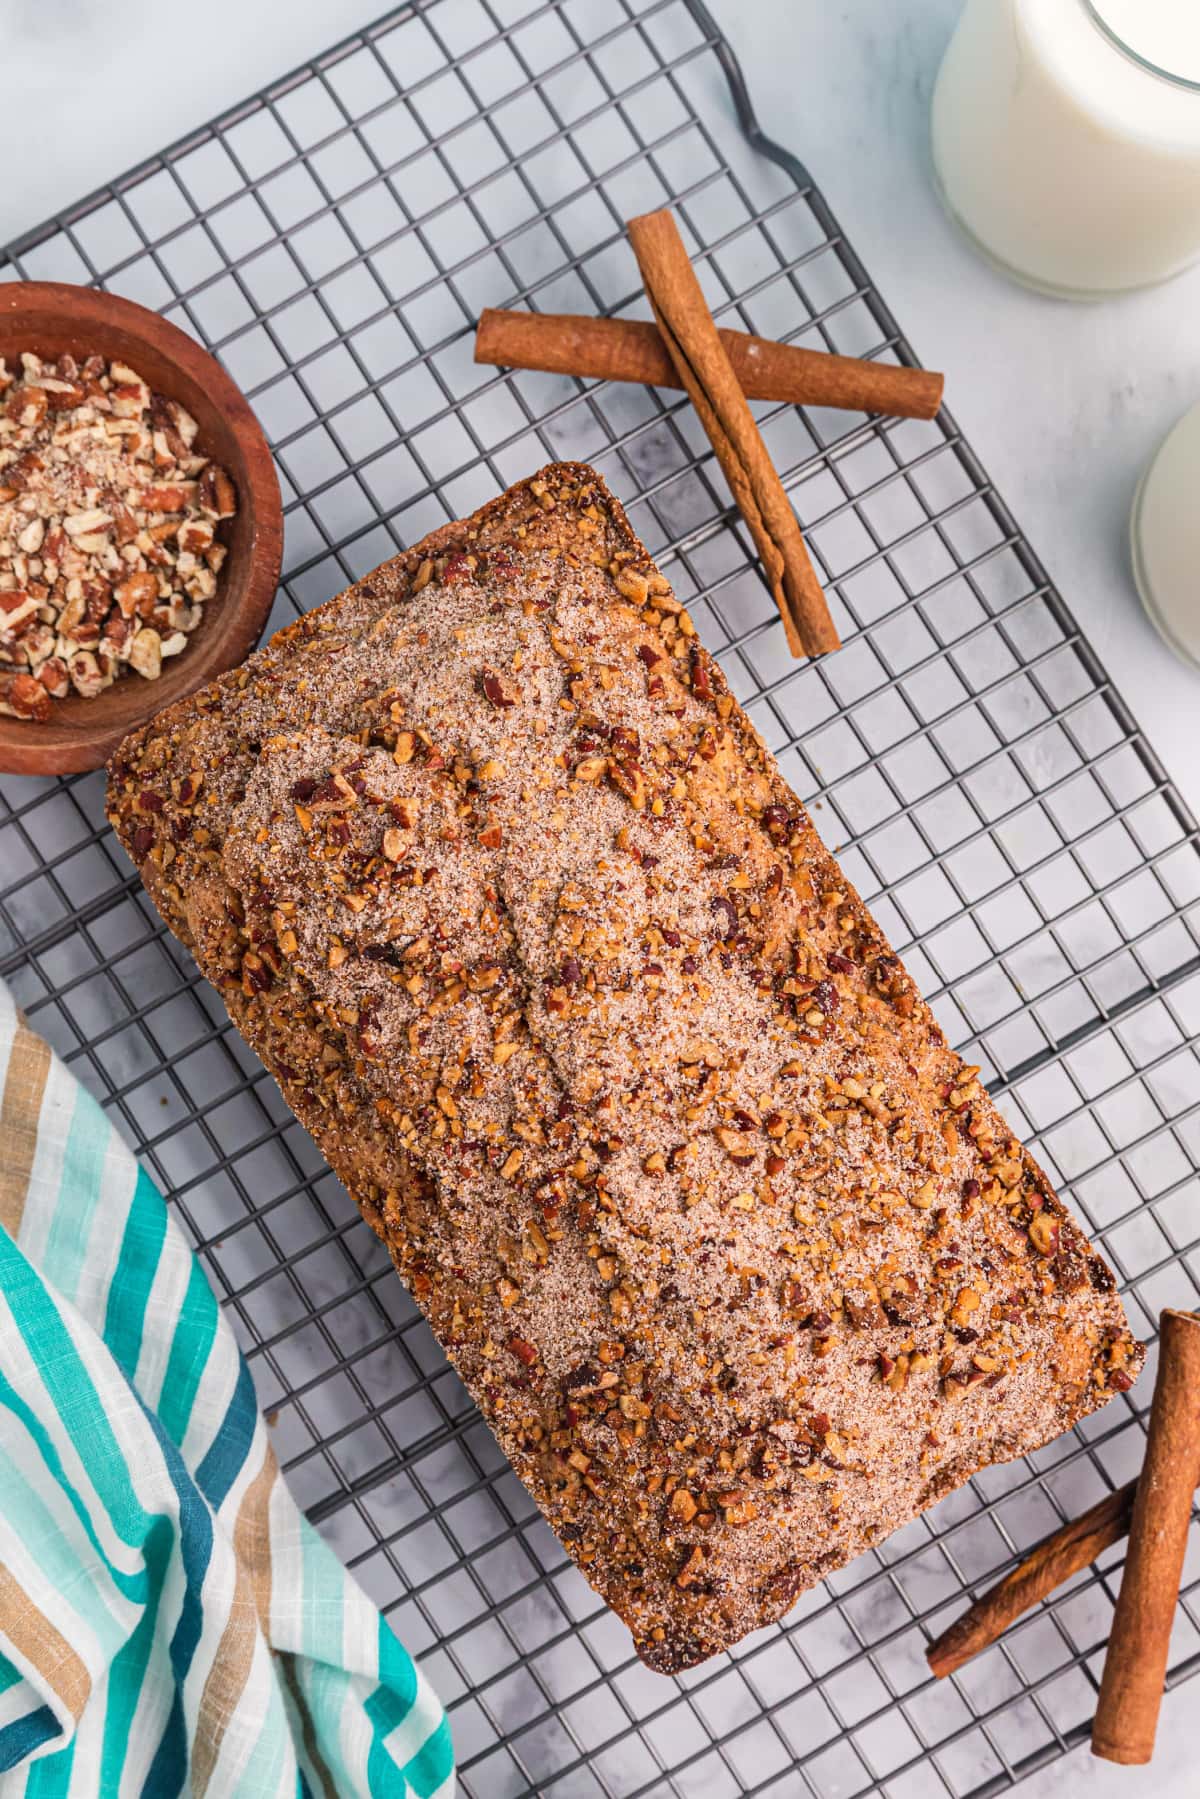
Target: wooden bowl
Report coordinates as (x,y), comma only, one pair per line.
(49,317)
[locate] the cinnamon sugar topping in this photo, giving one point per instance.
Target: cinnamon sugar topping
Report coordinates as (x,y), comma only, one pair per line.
(739,1260)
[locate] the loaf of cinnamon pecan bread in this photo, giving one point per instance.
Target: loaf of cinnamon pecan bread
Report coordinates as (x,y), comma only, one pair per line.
(739,1260)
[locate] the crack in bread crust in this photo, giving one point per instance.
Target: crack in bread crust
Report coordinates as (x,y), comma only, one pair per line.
(742,1266)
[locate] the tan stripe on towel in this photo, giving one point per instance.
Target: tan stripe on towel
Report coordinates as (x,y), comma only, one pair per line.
(20,1108)
(42,1644)
(252,1537)
(316,1761)
(225,1682)
(249,1614)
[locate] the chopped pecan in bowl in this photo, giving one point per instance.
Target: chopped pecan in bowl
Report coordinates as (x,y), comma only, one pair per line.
(108,529)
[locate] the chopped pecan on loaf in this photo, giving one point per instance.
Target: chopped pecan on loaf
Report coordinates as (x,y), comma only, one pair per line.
(739,1260)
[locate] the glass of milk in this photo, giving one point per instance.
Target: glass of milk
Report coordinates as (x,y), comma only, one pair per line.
(1066,139)
(1166,539)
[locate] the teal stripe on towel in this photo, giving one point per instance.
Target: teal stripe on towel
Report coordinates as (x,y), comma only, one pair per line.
(141,1247)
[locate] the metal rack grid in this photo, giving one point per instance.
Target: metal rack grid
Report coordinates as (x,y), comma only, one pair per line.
(332,240)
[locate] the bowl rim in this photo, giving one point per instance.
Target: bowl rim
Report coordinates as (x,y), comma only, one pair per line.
(76,745)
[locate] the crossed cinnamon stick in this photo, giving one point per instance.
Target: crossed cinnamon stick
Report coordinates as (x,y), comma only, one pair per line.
(566,343)
(719,370)
(1155,1510)
(1074,1547)
(690,339)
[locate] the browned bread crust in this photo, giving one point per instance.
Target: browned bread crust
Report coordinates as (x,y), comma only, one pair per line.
(741,1264)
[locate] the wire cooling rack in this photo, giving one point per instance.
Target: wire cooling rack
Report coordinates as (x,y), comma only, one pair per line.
(333,240)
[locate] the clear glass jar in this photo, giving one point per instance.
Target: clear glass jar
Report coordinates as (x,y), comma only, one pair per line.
(1165,535)
(1066,139)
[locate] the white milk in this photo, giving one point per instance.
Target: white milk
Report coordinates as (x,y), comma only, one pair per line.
(1166,538)
(1071,163)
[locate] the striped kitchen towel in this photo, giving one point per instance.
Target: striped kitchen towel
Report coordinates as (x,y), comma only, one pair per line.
(169,1622)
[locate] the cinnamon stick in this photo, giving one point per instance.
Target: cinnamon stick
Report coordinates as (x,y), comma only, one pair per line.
(1139,1641)
(561,343)
(1053,1562)
(691,339)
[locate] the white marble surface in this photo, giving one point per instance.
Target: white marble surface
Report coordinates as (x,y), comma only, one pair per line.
(1064,403)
